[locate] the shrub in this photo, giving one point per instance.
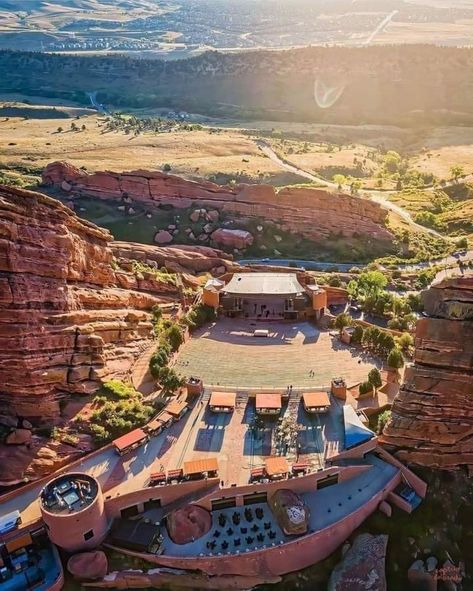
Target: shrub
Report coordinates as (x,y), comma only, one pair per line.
(357,334)
(365,387)
(118,390)
(405,341)
(199,315)
(334,281)
(173,336)
(382,420)
(395,359)
(342,320)
(159,359)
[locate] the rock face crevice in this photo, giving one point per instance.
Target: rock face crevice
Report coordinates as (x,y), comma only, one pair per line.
(432,416)
(313,213)
(68,319)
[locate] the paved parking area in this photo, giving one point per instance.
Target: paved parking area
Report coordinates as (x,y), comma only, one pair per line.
(227,354)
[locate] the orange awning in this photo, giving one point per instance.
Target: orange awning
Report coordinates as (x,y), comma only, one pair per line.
(176,407)
(272,400)
(276,465)
(315,399)
(199,466)
(225,399)
(19,542)
(129,439)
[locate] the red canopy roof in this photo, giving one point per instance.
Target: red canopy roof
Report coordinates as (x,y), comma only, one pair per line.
(129,439)
(272,400)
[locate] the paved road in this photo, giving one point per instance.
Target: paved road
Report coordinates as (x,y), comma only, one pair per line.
(450,261)
(374,194)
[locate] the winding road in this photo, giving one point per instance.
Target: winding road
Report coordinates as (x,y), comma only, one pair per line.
(373,194)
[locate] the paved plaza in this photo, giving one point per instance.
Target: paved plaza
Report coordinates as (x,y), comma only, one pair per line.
(227,354)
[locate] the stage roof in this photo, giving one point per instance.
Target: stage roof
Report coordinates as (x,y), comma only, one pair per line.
(225,399)
(264,284)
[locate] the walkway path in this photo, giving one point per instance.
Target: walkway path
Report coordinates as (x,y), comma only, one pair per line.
(141,377)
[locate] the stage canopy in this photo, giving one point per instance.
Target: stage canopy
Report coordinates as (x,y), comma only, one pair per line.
(284,284)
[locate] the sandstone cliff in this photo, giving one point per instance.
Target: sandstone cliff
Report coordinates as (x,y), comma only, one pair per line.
(69,316)
(312,213)
(432,416)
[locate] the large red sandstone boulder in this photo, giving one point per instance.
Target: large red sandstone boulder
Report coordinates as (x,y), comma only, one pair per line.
(18,437)
(57,173)
(362,567)
(88,566)
(232,238)
(163,237)
(188,523)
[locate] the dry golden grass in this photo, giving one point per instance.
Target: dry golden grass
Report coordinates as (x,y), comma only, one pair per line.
(443,148)
(36,142)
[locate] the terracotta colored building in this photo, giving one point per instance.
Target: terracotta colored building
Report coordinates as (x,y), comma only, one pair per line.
(72,507)
(266,296)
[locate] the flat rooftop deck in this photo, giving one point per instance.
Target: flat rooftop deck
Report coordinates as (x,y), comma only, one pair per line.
(326,507)
(227,354)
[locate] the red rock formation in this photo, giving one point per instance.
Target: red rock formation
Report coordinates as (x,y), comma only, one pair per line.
(67,319)
(313,213)
(432,416)
(232,238)
(186,259)
(88,566)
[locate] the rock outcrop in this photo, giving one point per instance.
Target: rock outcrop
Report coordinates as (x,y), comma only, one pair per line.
(88,566)
(313,213)
(362,567)
(239,239)
(432,416)
(68,319)
(183,259)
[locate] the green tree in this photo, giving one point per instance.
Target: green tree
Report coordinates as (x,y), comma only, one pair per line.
(405,341)
(456,171)
(374,378)
(169,380)
(60,129)
(357,335)
(395,359)
(392,161)
(365,387)
(462,242)
(166,167)
(340,180)
(371,283)
(174,336)
(342,321)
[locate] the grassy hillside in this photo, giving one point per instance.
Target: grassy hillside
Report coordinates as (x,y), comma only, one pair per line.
(411,85)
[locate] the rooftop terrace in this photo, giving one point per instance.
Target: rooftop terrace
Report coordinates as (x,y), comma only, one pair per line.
(69,493)
(254,527)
